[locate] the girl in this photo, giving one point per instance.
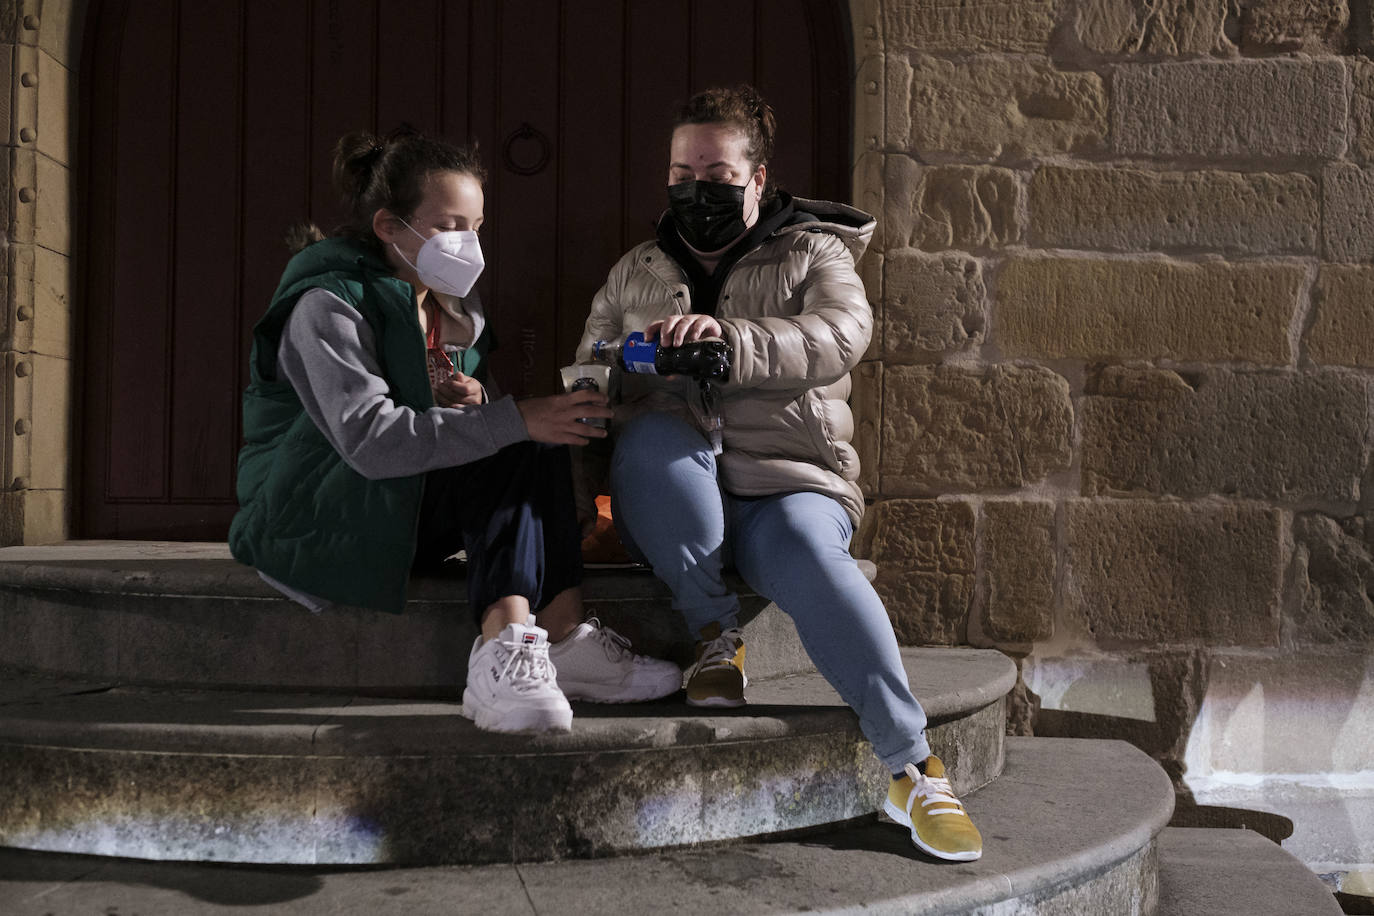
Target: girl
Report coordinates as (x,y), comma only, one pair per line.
(360,461)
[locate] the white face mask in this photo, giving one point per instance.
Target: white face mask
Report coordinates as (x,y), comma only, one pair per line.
(449,262)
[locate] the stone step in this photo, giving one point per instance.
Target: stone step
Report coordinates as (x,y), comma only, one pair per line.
(1069,827)
(1282,735)
(261,776)
(114,609)
(1235,873)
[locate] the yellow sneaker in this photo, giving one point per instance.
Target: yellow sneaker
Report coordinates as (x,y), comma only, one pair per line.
(926,805)
(717,678)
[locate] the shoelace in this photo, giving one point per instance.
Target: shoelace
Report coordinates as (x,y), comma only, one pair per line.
(528,663)
(612,643)
(933,790)
(720,650)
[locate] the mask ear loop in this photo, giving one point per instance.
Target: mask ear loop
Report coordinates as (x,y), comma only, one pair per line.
(400,253)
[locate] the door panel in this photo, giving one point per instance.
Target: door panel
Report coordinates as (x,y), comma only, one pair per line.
(210,128)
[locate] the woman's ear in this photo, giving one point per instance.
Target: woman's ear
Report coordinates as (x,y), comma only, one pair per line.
(760,180)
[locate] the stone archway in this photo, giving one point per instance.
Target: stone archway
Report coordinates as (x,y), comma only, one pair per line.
(41,41)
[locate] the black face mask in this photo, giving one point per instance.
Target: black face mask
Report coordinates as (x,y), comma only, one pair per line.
(709,215)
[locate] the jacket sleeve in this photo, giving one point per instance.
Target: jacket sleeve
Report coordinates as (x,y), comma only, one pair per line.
(328,354)
(606,320)
(817,346)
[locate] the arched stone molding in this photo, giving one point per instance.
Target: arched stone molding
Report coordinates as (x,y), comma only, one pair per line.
(40,52)
(870,98)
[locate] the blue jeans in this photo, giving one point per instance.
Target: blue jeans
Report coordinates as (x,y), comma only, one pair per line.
(792,548)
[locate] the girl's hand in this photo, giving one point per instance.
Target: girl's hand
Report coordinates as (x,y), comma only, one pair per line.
(677,330)
(459,391)
(554,419)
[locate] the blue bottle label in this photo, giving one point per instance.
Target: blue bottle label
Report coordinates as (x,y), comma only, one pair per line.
(638,354)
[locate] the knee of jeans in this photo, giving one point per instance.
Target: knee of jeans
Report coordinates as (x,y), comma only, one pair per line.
(662,437)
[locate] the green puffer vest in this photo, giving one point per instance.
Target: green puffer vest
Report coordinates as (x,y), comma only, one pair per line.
(305,517)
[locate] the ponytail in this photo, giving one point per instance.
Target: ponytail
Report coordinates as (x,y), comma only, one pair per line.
(374,172)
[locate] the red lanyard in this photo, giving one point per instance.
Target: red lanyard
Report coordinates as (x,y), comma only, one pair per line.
(432,319)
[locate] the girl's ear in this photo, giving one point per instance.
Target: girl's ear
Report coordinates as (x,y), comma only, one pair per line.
(387,225)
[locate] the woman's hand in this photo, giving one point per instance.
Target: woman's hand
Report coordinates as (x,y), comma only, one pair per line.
(677,330)
(553,420)
(458,391)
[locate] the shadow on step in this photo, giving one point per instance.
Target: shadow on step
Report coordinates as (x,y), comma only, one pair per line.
(220,884)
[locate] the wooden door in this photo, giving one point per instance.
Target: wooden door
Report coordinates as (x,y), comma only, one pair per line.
(208,127)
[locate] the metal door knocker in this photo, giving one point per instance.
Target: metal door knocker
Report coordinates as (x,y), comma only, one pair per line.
(535,150)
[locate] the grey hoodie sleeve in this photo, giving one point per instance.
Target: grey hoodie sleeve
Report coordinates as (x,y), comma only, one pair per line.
(328,354)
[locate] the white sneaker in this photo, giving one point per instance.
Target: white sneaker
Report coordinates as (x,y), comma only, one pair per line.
(512,686)
(595,663)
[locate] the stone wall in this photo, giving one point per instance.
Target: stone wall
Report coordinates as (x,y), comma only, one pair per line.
(38,56)
(1116,417)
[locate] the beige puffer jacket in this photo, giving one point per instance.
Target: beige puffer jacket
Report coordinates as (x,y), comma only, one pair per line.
(797,316)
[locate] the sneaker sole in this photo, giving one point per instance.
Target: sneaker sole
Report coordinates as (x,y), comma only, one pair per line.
(717,702)
(523,720)
(589,693)
(898,815)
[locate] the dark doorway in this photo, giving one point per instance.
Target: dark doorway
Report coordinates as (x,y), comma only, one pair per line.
(207,129)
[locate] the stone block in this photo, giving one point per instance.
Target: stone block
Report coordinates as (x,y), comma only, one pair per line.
(54,109)
(1148,697)
(1299,713)
(16,403)
(871,268)
(968,207)
(1286,437)
(1004,109)
(53,216)
(1333,564)
(33,517)
(1347,199)
(934,304)
(1361,110)
(17,265)
(60,30)
(1098,309)
(12,27)
(1019,559)
(936,26)
(49,324)
(1156,27)
(901,202)
(897,102)
(870,116)
(955,429)
(866,400)
(22,97)
(9,130)
(1271,108)
(1342,331)
(20,183)
(1154,573)
(46,435)
(1315,25)
(924,551)
(1124,209)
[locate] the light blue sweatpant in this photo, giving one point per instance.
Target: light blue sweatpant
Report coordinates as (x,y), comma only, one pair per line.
(792,548)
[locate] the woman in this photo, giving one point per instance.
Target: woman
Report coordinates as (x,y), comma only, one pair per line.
(759,470)
(367,451)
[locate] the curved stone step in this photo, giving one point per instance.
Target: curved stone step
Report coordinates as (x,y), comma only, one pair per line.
(310,778)
(1235,873)
(1070,827)
(114,609)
